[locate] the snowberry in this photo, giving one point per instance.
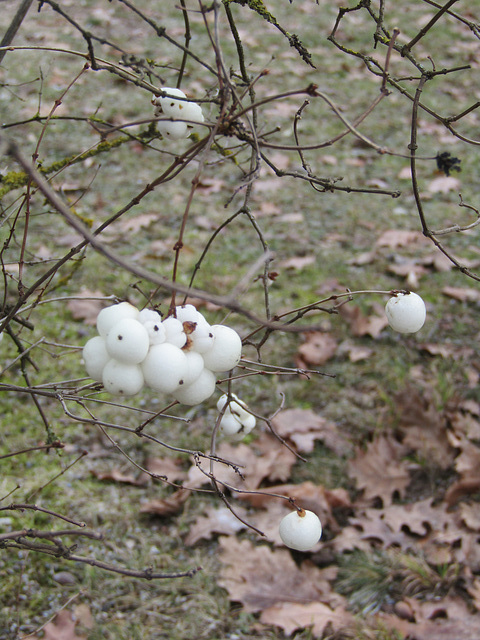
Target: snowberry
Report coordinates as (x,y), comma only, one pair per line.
(128,341)
(187,313)
(118,377)
(156,331)
(195,366)
(236,420)
(198,391)
(95,357)
(165,367)
(169,106)
(300,530)
(174,332)
(149,315)
(174,129)
(201,338)
(226,350)
(109,316)
(193,112)
(406,312)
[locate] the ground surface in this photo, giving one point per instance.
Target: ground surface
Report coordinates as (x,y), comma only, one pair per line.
(390,436)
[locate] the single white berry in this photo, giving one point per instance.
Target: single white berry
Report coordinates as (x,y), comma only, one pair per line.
(236,420)
(406,312)
(187,313)
(128,341)
(95,357)
(193,112)
(174,332)
(170,106)
(118,377)
(195,366)
(165,367)
(149,315)
(174,129)
(300,530)
(226,350)
(201,339)
(198,391)
(113,314)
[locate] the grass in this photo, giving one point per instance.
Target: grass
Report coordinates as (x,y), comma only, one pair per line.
(334,227)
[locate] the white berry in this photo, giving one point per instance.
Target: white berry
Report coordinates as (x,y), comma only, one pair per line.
(406,312)
(126,379)
(300,530)
(95,357)
(128,341)
(109,316)
(226,350)
(165,367)
(198,391)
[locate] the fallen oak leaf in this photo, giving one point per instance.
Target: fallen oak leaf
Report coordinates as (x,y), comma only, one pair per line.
(264,577)
(379,470)
(291,616)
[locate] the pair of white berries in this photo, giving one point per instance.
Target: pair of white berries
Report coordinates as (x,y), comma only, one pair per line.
(184,113)
(236,420)
(179,355)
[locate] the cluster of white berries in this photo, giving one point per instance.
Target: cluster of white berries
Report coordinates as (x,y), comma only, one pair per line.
(183,113)
(178,356)
(406,312)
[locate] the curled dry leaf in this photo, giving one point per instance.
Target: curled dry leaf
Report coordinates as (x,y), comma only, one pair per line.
(166,506)
(317,349)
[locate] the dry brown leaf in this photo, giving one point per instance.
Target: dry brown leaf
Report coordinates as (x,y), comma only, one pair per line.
(318,348)
(133,225)
(355,352)
(463,294)
(166,506)
(265,458)
(62,627)
(362,325)
(444,184)
(398,238)
(291,616)
(303,427)
(379,470)
(84,308)
(115,475)
(259,578)
(307,495)
(424,428)
(219,520)
(297,262)
(170,468)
